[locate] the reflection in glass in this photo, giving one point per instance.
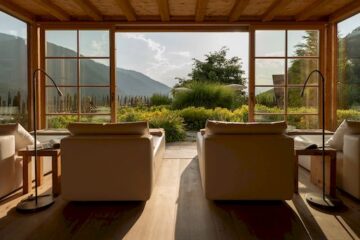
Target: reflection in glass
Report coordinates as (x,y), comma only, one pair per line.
(306,104)
(60,121)
(95,100)
(303,121)
(61,43)
(269,71)
(269,100)
(13,71)
(94,72)
(68,103)
(94,43)
(299,70)
(63,71)
(270,43)
(303,43)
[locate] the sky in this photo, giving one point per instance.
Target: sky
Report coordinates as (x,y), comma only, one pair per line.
(164,56)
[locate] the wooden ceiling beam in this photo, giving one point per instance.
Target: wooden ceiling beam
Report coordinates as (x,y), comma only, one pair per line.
(90,9)
(164,10)
(53,9)
(200,11)
(345,12)
(127,9)
(274,9)
(308,11)
(237,10)
(16,11)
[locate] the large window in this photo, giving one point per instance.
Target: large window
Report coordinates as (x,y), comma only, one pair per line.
(283,60)
(348,81)
(13,70)
(78,61)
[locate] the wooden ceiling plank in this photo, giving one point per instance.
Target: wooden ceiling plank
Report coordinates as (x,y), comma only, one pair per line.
(127,9)
(200,11)
(53,10)
(238,9)
(90,9)
(164,10)
(16,11)
(345,12)
(308,11)
(273,9)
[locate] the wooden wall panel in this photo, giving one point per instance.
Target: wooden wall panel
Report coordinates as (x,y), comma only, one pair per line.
(182,7)
(219,8)
(107,7)
(145,7)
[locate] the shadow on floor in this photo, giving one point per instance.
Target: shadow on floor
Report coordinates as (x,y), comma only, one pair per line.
(198,218)
(91,220)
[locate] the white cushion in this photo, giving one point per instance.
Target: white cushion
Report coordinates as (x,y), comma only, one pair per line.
(346,127)
(22,137)
(126,128)
(219,127)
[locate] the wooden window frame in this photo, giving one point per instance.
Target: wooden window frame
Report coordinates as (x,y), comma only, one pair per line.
(253,57)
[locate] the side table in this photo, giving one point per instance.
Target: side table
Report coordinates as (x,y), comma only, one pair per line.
(332,166)
(27,168)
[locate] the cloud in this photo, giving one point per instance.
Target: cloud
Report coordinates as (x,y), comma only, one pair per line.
(182,54)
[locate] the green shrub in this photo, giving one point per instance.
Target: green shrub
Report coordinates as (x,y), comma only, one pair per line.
(343,114)
(207,95)
(157,118)
(159,99)
(195,118)
(61,121)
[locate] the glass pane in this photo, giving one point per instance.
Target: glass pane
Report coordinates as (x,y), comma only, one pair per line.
(61,43)
(95,72)
(270,43)
(63,71)
(348,86)
(60,121)
(68,103)
(269,100)
(303,43)
(269,71)
(303,121)
(13,71)
(269,118)
(95,118)
(299,69)
(95,100)
(306,104)
(94,43)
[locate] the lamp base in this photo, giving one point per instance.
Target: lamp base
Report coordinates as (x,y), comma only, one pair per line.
(319,201)
(30,204)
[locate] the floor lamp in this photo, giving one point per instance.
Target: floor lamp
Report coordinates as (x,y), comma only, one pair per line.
(321,200)
(37,202)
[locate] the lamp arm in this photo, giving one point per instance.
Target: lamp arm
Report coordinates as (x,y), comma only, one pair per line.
(307,79)
(52,80)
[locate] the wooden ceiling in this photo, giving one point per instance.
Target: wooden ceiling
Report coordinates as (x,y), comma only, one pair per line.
(180,10)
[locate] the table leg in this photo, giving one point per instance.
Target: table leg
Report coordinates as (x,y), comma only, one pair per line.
(39,164)
(27,170)
(56,174)
(296,174)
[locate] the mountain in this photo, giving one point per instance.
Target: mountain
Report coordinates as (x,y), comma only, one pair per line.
(13,71)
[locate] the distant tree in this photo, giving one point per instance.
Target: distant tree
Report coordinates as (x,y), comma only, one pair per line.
(216,68)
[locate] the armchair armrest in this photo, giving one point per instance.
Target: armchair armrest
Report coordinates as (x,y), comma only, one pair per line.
(351,165)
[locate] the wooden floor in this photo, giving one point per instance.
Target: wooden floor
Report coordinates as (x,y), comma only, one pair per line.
(178,210)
